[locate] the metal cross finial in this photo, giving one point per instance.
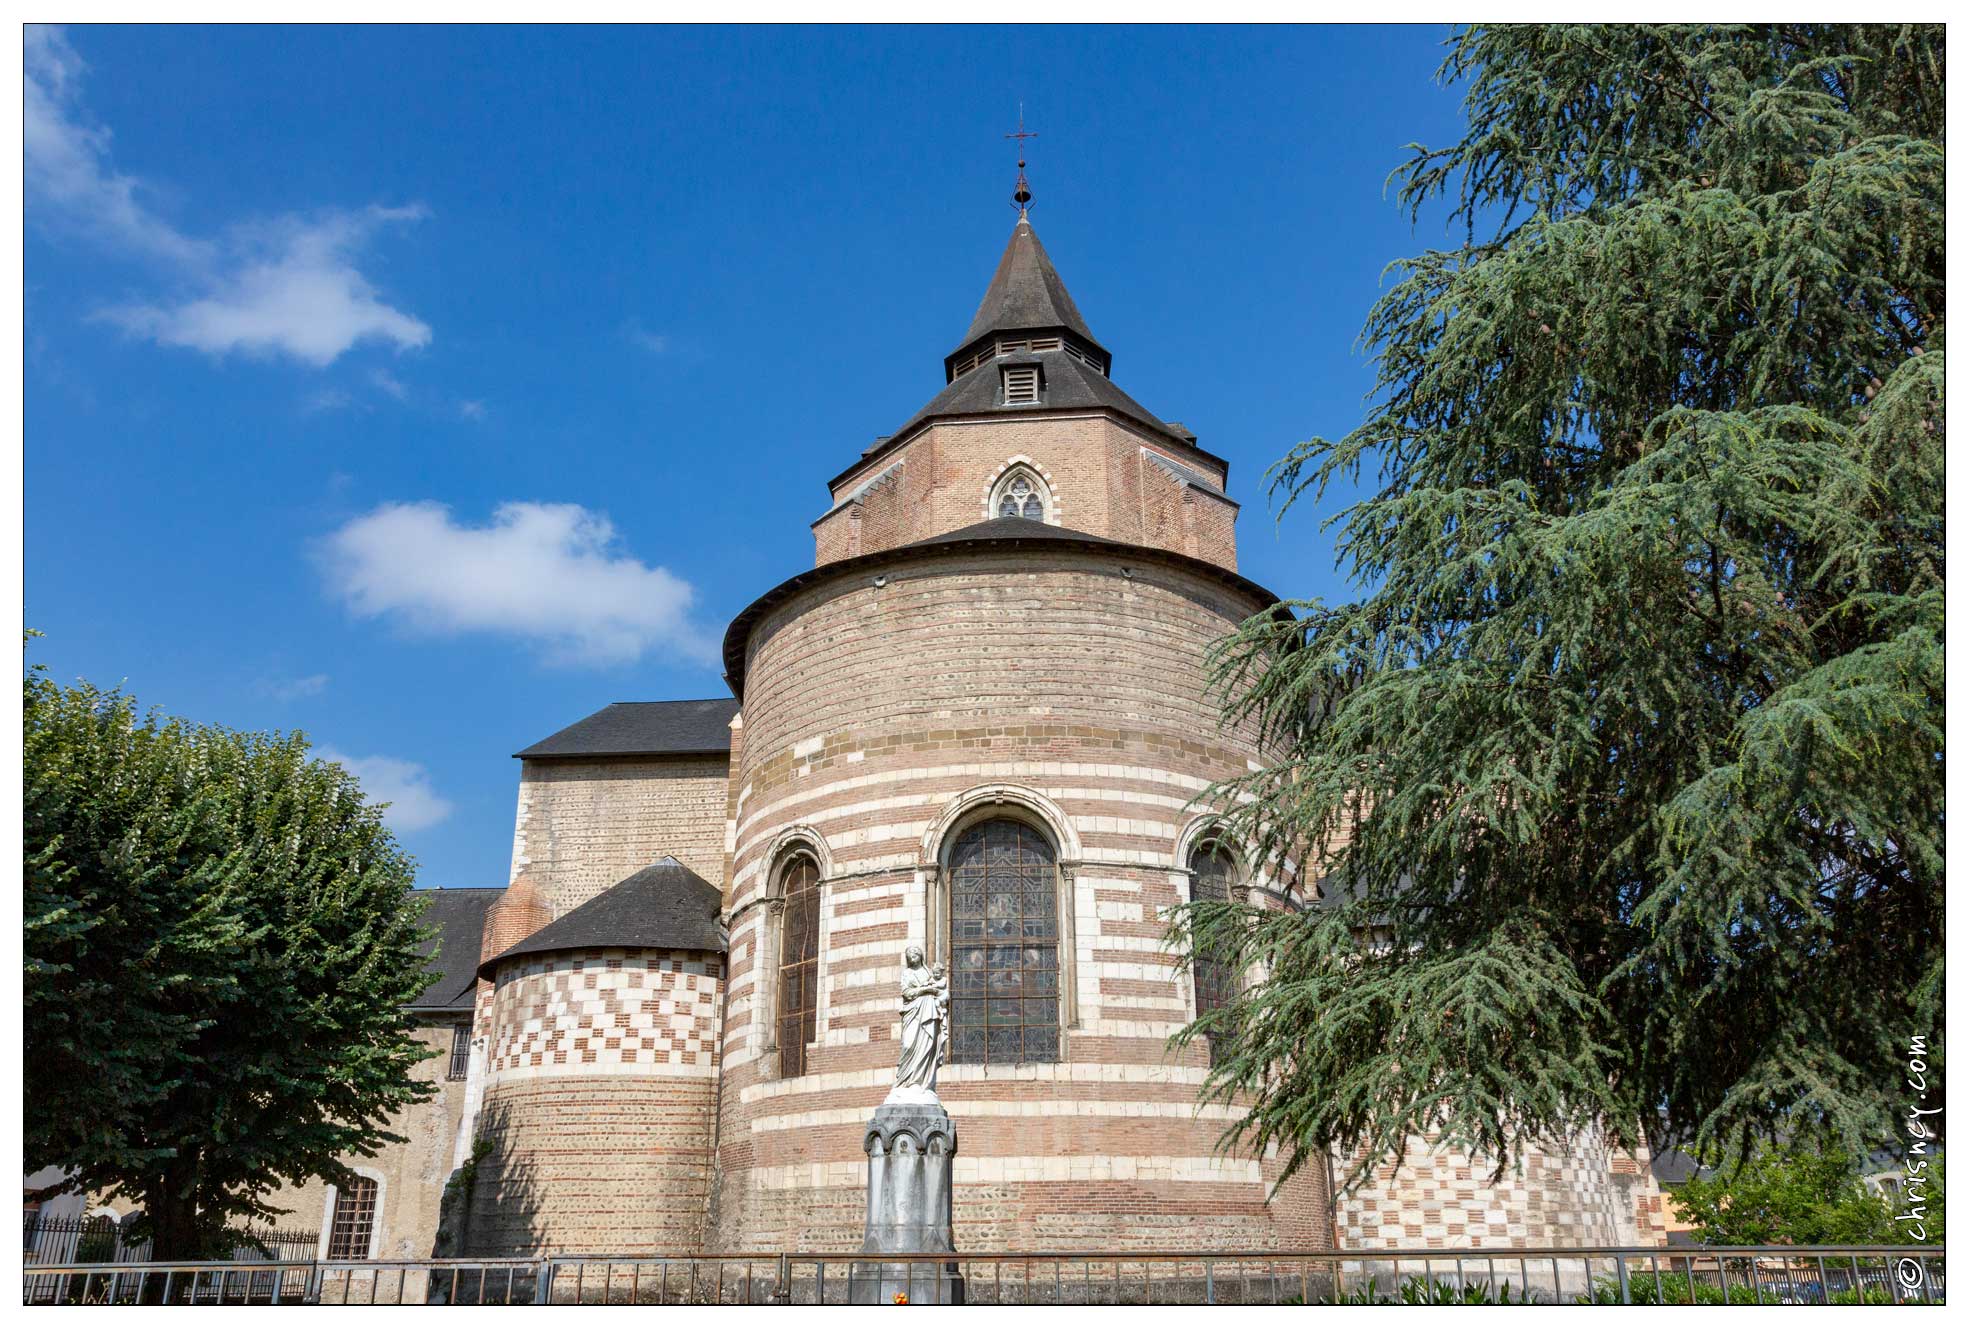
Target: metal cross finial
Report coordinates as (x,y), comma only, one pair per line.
(1022,196)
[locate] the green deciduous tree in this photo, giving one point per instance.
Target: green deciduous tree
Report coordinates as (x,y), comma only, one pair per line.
(220,938)
(1632,746)
(1797,1196)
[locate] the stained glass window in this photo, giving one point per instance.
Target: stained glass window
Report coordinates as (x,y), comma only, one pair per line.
(355,1218)
(1213,874)
(1021,499)
(799,963)
(1004,947)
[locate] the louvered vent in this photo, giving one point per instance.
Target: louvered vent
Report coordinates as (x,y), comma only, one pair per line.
(1022,386)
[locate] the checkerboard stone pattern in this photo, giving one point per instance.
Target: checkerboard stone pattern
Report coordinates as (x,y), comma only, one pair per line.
(605,1012)
(1582,1193)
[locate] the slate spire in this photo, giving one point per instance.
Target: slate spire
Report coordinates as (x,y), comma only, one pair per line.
(1026,293)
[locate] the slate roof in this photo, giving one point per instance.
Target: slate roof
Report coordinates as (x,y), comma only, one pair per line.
(1026,292)
(664,906)
(1070,385)
(459,917)
(1010,532)
(1026,295)
(1671,1166)
(643,729)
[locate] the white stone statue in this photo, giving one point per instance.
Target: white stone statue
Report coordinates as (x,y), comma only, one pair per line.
(925,1034)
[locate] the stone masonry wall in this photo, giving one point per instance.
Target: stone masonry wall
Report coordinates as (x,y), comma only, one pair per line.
(1101,473)
(582,826)
(1587,1194)
(410,1176)
(1071,684)
(598,1103)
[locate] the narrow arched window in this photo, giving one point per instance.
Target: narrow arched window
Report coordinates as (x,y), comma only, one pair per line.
(1213,876)
(1004,946)
(1020,494)
(799,962)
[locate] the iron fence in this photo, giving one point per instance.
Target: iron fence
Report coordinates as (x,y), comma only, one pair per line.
(1769,1275)
(103,1240)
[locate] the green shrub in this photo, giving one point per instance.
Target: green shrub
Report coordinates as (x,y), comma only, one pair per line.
(1417,1291)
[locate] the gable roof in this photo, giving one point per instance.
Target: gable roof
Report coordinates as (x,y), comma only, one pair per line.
(643,729)
(459,917)
(664,906)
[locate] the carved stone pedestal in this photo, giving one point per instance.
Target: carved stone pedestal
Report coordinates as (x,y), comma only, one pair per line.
(909,1147)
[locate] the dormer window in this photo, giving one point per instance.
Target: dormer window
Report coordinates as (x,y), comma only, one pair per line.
(1021,385)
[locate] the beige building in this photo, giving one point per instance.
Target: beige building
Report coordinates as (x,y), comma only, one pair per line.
(977,723)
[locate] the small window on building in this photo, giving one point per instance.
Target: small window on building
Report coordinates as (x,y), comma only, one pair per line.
(461,1052)
(1021,385)
(1213,875)
(355,1220)
(799,963)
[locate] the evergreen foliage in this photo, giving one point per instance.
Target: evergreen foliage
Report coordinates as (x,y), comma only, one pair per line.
(1628,759)
(220,939)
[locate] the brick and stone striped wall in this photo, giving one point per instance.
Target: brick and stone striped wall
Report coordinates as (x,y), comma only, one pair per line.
(1070,686)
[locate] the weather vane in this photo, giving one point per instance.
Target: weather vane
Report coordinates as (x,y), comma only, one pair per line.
(1022,196)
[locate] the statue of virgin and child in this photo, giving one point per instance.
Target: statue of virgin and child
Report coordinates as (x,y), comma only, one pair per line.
(925,1029)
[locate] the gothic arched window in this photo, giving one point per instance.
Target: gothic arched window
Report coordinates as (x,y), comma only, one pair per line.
(1020,494)
(799,962)
(1004,946)
(1213,876)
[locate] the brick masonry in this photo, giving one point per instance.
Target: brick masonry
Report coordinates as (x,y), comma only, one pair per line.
(1100,470)
(598,1088)
(634,1100)
(1071,685)
(582,826)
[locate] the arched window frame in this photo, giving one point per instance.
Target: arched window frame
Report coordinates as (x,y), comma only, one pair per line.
(1237,890)
(785,852)
(1014,470)
(1012,803)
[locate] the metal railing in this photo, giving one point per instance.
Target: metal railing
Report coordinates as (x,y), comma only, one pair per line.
(1768,1275)
(103,1240)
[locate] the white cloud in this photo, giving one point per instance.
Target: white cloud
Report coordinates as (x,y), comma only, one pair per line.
(385,381)
(653,342)
(291,689)
(547,573)
(288,286)
(67,167)
(292,290)
(471,410)
(404,785)
(328,399)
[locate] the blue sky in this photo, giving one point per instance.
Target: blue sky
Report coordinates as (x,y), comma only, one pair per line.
(429,388)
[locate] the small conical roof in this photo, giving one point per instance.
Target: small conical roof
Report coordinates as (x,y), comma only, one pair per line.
(665,906)
(1026,292)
